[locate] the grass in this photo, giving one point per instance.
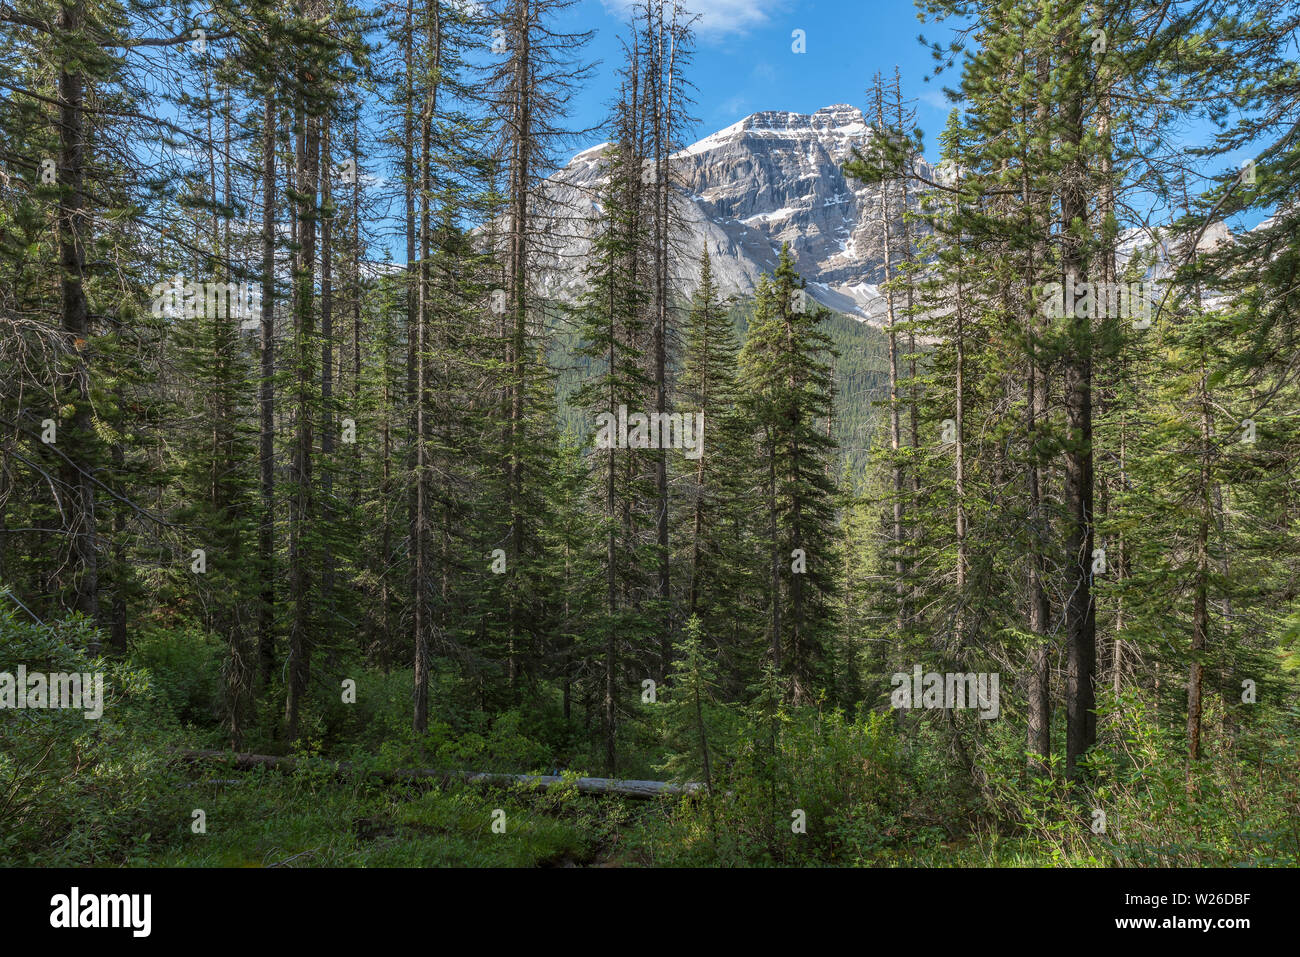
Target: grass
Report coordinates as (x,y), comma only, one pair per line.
(270,819)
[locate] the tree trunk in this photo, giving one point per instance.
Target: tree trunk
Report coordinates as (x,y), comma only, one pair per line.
(73,223)
(301,513)
(266,398)
(1038,741)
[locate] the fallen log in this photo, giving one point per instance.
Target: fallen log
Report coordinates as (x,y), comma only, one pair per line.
(607,786)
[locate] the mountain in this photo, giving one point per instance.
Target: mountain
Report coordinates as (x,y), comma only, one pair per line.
(773,177)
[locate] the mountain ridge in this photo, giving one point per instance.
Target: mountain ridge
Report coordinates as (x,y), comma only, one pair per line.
(770,178)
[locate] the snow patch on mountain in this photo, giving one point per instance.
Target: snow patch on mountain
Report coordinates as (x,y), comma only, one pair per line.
(774,177)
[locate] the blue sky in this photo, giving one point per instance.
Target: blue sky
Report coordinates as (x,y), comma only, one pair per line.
(744,62)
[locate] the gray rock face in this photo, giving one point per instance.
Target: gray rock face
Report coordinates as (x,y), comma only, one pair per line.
(1158,258)
(743,191)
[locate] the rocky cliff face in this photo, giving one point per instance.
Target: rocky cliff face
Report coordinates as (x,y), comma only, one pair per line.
(743,191)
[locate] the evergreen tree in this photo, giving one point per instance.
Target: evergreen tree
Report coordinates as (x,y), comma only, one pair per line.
(785,377)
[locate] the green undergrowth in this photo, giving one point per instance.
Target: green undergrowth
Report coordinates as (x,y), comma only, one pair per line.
(269,819)
(792,787)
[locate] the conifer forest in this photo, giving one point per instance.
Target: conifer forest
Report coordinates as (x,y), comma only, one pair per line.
(649,433)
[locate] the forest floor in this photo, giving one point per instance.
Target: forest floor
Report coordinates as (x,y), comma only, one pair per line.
(269,819)
(265,818)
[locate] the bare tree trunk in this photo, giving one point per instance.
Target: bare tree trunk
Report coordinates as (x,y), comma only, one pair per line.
(356,270)
(906,120)
(609,715)
(517,296)
(300,639)
(1081,718)
(1121,568)
(776,551)
(611,634)
(1200,604)
(1039,735)
(420,533)
(327,376)
(117,615)
(73,221)
(266,397)
(661,108)
(884,219)
(1038,741)
(959,489)
(412,339)
(1206,493)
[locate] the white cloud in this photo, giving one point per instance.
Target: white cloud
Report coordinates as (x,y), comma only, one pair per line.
(717,17)
(934,96)
(732,107)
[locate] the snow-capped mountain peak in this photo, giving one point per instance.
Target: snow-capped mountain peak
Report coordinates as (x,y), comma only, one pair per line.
(772,177)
